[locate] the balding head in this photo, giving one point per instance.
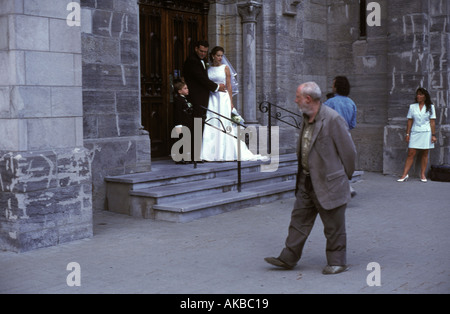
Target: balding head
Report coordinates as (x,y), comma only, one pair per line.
(311,89)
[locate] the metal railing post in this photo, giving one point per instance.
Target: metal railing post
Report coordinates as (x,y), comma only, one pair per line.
(239,177)
(269,150)
(239,157)
(239,167)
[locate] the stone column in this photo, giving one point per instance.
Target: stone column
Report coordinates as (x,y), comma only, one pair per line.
(249,12)
(45,173)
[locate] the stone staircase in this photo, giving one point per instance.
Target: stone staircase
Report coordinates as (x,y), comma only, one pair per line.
(180,193)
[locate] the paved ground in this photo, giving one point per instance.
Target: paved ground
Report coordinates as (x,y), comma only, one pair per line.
(404,227)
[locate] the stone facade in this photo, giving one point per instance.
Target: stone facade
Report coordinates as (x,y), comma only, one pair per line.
(298,41)
(45,172)
(46,198)
(70,95)
(418,53)
(111,94)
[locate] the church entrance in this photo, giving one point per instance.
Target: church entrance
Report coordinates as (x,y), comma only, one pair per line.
(168,31)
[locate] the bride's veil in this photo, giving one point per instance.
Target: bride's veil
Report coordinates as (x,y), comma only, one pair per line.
(234,81)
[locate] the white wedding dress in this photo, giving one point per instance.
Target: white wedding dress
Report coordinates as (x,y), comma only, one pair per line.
(218,146)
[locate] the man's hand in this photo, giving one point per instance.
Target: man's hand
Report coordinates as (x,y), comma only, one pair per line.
(222,88)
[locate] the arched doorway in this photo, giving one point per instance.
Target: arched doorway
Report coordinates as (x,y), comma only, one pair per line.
(168,31)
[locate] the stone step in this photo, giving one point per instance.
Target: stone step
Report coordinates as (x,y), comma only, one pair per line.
(193,208)
(167,172)
(217,203)
(183,193)
(201,188)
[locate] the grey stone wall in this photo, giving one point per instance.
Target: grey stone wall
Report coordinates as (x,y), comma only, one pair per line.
(45,191)
(418,52)
(111,95)
(363,60)
(46,198)
(293,50)
(291,45)
(298,41)
(409,49)
(70,100)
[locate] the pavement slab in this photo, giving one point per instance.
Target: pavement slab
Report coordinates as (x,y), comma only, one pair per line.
(402,227)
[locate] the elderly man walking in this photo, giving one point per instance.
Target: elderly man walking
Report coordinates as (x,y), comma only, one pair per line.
(326,162)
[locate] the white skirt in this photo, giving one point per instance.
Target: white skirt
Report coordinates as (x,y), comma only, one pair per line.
(420,140)
(218,146)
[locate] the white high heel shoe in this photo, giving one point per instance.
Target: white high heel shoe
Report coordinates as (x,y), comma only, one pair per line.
(404,179)
(424,180)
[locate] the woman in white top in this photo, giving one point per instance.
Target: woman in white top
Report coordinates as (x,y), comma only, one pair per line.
(420,132)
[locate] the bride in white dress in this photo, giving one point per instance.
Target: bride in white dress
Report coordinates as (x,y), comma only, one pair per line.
(218,146)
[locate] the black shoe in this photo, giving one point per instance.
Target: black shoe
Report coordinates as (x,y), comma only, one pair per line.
(333,270)
(275,261)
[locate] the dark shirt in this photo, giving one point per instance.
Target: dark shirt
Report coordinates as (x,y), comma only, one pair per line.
(183,110)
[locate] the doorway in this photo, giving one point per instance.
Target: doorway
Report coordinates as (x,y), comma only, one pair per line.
(168,32)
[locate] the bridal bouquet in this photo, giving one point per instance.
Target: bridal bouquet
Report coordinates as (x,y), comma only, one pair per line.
(236,117)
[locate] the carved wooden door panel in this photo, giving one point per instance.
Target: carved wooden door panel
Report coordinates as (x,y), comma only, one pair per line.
(168,31)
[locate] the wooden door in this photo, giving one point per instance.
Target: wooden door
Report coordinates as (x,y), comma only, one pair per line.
(168,32)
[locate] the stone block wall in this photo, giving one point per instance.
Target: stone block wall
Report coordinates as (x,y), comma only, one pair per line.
(418,52)
(298,41)
(46,198)
(111,94)
(362,58)
(45,174)
(292,49)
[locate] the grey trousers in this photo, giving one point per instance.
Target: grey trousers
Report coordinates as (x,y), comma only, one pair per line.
(303,216)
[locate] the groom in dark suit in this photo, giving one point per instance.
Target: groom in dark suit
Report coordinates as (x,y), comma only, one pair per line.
(196,77)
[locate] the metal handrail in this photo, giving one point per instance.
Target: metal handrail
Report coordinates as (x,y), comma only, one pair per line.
(266,107)
(224,130)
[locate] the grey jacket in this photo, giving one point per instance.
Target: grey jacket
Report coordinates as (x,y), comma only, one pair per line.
(331,159)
